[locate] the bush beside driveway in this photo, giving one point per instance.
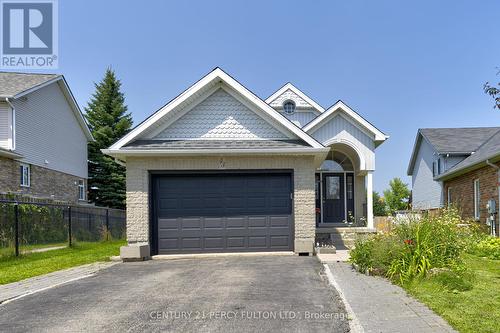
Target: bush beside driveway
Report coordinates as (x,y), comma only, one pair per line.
(213,295)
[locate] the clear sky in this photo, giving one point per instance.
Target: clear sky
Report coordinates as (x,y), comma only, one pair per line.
(400,64)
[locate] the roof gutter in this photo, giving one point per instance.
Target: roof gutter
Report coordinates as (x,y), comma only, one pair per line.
(13,123)
(494,166)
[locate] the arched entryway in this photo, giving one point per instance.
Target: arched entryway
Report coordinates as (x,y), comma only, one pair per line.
(341,188)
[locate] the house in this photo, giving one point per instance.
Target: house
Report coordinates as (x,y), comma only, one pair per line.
(470,184)
(218,169)
(437,151)
(43,138)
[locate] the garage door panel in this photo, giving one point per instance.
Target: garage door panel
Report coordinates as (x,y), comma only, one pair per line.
(257,222)
(235,222)
(236,242)
(257,242)
(169,244)
(214,243)
(224,212)
(279,241)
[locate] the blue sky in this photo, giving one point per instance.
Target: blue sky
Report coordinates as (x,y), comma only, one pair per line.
(401,65)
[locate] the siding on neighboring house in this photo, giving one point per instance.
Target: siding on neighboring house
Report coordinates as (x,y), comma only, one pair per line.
(5,129)
(340,128)
(300,118)
(451,161)
(462,191)
(48,130)
(426,192)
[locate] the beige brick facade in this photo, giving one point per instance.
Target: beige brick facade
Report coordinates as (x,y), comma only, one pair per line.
(303,180)
(45,183)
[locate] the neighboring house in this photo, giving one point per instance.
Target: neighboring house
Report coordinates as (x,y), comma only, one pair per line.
(43,138)
(437,151)
(470,184)
(218,169)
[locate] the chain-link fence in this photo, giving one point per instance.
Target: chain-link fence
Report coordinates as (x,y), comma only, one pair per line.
(32,227)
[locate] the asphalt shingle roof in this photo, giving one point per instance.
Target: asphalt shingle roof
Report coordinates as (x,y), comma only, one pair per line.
(458,140)
(488,149)
(12,84)
(214,144)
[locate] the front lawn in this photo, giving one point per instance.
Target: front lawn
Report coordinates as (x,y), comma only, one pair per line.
(14,269)
(447,263)
(474,310)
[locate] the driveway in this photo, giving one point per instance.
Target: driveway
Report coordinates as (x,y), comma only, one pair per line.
(244,294)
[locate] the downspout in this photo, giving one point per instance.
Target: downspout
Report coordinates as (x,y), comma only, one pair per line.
(13,123)
(497,168)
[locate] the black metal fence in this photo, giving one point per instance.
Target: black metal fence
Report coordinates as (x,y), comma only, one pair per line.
(29,226)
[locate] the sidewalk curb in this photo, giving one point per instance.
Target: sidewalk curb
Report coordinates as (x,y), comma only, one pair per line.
(354,323)
(32,285)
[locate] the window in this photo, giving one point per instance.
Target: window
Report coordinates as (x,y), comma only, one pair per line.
(332,187)
(25,175)
(350,188)
(81,189)
(433,169)
(477,196)
(289,107)
(449,197)
(439,166)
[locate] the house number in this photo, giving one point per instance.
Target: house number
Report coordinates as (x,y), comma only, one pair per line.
(222,164)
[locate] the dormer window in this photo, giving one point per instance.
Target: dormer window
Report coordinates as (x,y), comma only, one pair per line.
(289,107)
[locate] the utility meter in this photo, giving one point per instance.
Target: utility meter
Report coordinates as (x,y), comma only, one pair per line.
(491,205)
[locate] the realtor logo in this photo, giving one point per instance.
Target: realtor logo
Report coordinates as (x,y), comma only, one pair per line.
(29,34)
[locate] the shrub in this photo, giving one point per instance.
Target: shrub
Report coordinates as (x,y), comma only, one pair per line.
(488,247)
(414,246)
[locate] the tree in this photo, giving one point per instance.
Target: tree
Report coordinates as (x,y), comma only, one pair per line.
(494,92)
(378,205)
(108,120)
(397,196)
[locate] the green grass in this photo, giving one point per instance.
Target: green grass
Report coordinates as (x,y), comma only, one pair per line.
(469,306)
(14,269)
(9,251)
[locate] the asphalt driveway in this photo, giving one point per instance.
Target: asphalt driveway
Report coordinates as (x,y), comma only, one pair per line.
(243,294)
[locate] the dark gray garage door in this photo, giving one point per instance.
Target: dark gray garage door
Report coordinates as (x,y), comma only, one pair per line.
(201,213)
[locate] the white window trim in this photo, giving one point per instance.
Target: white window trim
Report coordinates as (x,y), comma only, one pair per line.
(477,199)
(27,166)
(82,187)
(449,196)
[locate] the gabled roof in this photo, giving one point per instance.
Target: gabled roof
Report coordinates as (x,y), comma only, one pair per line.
(12,84)
(455,141)
(342,107)
(489,150)
(15,85)
(216,76)
(300,93)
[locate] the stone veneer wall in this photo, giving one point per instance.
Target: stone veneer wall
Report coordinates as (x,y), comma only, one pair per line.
(44,183)
(303,180)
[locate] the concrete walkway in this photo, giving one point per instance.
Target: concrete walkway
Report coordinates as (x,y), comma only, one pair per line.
(35,284)
(380,306)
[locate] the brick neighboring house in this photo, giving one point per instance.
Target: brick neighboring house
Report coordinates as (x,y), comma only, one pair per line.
(475,180)
(43,138)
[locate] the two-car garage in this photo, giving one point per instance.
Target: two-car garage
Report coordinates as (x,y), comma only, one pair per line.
(207,212)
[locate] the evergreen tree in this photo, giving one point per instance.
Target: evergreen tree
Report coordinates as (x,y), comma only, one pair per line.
(108,120)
